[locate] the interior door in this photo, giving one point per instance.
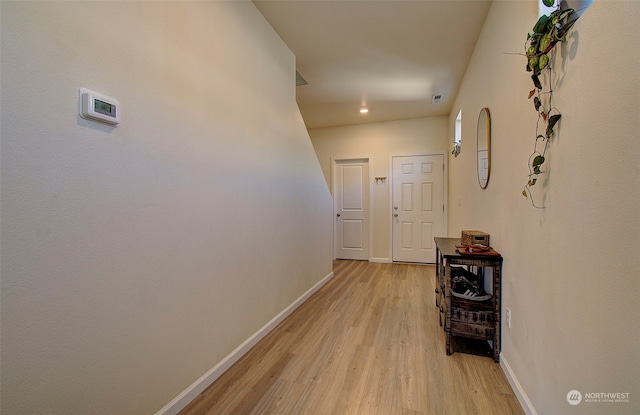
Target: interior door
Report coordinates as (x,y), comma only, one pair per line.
(351,207)
(417,207)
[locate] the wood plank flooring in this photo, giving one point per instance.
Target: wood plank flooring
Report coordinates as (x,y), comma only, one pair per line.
(368,342)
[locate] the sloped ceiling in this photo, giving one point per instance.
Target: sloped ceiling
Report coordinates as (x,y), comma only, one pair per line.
(390,56)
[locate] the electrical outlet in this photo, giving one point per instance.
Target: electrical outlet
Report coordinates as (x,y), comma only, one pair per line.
(508,317)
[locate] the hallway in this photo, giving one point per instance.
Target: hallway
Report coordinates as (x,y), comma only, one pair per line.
(368,342)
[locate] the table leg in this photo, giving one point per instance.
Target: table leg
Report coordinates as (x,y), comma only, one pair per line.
(497,290)
(447,302)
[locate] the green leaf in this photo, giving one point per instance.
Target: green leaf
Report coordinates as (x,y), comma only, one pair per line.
(536,81)
(545,42)
(534,40)
(543,61)
(532,182)
(553,120)
(541,24)
(548,3)
(537,103)
(565,13)
(538,160)
(524,193)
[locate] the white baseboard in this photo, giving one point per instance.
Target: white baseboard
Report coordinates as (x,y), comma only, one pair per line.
(382,260)
(517,388)
(189,394)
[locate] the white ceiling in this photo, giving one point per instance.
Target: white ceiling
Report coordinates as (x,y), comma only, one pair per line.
(390,56)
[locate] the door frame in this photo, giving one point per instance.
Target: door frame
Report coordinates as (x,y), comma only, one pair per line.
(445,194)
(334,164)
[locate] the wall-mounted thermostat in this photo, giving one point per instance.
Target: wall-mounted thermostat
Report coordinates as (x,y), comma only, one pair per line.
(98,107)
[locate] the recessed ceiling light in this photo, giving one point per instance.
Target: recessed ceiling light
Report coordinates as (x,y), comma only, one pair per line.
(436,98)
(364,110)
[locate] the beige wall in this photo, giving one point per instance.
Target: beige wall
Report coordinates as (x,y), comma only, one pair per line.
(570,271)
(379,141)
(135,258)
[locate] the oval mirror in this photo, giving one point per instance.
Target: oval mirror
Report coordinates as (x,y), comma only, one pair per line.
(484,147)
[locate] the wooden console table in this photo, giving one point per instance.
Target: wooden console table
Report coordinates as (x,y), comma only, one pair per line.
(462,317)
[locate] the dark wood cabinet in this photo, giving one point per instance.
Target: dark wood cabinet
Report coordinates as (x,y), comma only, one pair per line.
(461,317)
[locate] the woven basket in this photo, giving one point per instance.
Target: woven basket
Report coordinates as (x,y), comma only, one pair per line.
(470,237)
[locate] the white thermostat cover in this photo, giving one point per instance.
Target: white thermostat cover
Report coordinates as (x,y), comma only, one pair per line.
(98,107)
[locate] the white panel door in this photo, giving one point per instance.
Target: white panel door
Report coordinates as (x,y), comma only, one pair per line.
(351,201)
(417,207)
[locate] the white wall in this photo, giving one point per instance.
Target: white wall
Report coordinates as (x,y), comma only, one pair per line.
(379,141)
(570,270)
(136,258)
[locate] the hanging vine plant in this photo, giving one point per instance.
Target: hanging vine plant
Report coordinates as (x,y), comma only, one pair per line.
(547,32)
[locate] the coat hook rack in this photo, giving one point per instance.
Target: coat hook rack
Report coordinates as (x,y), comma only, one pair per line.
(380,179)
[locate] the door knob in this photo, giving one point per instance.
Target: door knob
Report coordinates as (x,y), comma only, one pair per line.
(395,215)
(338,215)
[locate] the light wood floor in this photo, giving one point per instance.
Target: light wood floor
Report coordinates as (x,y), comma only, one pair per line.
(368,342)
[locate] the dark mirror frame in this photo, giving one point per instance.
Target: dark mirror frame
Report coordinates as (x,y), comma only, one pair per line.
(484,147)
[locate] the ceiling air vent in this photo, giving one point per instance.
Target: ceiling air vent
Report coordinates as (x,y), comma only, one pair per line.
(435,99)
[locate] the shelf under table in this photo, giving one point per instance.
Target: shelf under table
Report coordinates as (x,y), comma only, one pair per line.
(478,320)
